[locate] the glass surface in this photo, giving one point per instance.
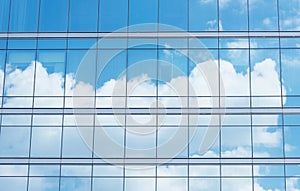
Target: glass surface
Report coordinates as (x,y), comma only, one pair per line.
(234,66)
(4,14)
(238,147)
(290,65)
(45,142)
(83,16)
(233,16)
(263,15)
(50,73)
(113,15)
(20,71)
(73,144)
(15,141)
(107,184)
(173,12)
(289,14)
(53,16)
(203,15)
(24,16)
(143,12)
(49,183)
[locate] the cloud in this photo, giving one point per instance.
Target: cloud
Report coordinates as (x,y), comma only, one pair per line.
(267,21)
(213,25)
(206,1)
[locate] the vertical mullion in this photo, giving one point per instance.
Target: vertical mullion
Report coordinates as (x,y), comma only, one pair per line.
(250,92)
(281,94)
(126,97)
(64,99)
(4,66)
(33,94)
(220,134)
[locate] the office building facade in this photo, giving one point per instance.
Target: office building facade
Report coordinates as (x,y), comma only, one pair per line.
(154,95)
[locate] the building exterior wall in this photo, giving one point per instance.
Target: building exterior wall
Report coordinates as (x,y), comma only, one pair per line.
(128,95)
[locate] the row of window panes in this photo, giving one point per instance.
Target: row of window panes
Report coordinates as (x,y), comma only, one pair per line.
(193,15)
(102,43)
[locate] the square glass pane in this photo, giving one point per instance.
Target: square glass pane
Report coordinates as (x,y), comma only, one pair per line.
(142,72)
(4,14)
(267,141)
(50,72)
(13,170)
(229,184)
(236,170)
(49,183)
(172,184)
(13,183)
(236,147)
(289,14)
(113,15)
(14,141)
(203,15)
(53,43)
(75,59)
(83,16)
(174,13)
(263,15)
(265,73)
(24,16)
(172,142)
(107,184)
(197,138)
(292,142)
(75,170)
(107,170)
(53,15)
(109,143)
(45,142)
(143,12)
(140,145)
(74,145)
(268,170)
(44,170)
(234,66)
(73,183)
(269,184)
(204,184)
(139,184)
(233,15)
(111,73)
(204,170)
(290,64)
(21,44)
(20,73)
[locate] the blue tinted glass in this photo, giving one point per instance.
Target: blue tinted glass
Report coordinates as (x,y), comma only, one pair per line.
(173,12)
(143,12)
(4,10)
(3,43)
(83,15)
(263,15)
(233,15)
(113,14)
(22,44)
(81,43)
(53,15)
(52,43)
(24,15)
(289,15)
(203,15)
(111,68)
(290,66)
